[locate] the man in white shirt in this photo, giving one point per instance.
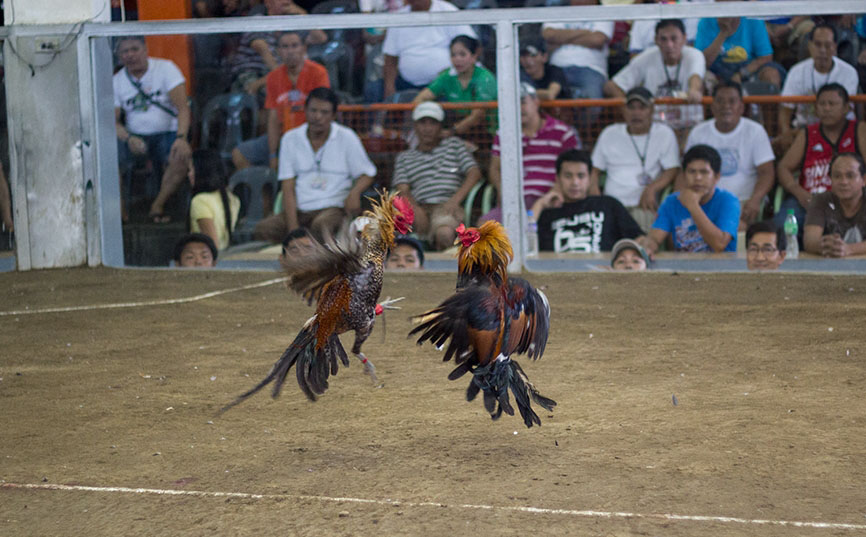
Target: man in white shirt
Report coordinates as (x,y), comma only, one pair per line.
(150,96)
(640,158)
(580,49)
(323,171)
(668,69)
(807,77)
(748,162)
(414,55)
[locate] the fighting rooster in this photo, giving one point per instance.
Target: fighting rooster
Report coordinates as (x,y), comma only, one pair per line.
(345,281)
(489,318)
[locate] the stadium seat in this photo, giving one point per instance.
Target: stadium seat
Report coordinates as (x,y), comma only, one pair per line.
(250,184)
(235,115)
(488,193)
(338,54)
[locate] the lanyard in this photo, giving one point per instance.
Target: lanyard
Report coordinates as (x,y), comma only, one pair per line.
(645,149)
(676,78)
(826,80)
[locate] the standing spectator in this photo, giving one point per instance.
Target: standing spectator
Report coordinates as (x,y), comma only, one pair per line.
(570,220)
(765,246)
(543,139)
(836,223)
(435,177)
(195,250)
(668,69)
(465,81)
(640,158)
(150,93)
(807,76)
(414,55)
(213,209)
(257,55)
(287,88)
(701,217)
(549,80)
(323,170)
(814,147)
(580,49)
(748,162)
(738,49)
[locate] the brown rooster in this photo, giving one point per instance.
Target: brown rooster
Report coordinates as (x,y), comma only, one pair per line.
(489,318)
(345,281)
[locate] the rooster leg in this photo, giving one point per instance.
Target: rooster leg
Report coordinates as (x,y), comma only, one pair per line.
(369,368)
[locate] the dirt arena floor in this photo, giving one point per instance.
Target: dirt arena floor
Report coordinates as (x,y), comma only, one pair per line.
(689,404)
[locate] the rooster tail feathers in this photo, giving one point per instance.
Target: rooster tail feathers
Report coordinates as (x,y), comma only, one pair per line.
(524,392)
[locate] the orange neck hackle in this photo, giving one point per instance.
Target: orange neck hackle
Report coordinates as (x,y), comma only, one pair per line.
(485,250)
(392,214)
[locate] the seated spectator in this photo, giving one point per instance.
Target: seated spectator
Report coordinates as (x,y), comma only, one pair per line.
(213,209)
(195,250)
(787,35)
(256,55)
(580,49)
(323,170)
(668,69)
(701,217)
(298,243)
(435,177)
(287,88)
(748,162)
(738,49)
(807,76)
(414,55)
(640,158)
(465,81)
(150,93)
(407,254)
(570,220)
(543,139)
(765,246)
(836,222)
(628,254)
(813,148)
(549,80)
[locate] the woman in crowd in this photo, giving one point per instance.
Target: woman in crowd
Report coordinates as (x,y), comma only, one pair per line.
(213,210)
(466,81)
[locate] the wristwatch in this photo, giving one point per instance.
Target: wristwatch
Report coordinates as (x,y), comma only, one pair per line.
(181,136)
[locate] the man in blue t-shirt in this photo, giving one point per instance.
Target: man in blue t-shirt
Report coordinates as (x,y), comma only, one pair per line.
(738,49)
(701,217)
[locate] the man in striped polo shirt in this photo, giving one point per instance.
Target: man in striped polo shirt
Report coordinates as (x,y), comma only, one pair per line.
(543,139)
(435,177)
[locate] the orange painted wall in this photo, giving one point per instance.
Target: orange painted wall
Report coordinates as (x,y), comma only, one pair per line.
(173,47)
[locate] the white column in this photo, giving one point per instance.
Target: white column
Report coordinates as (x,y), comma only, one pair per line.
(44,118)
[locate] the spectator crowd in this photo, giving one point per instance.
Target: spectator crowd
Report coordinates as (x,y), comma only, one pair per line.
(678,174)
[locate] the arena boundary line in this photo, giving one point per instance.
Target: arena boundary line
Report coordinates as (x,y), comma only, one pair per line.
(162,302)
(396,503)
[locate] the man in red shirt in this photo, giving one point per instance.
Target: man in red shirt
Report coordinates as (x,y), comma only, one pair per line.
(287,87)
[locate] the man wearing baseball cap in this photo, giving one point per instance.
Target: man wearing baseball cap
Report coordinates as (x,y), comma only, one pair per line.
(640,158)
(435,177)
(549,80)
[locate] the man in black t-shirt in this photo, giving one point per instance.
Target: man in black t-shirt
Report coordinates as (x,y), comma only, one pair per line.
(573,221)
(548,80)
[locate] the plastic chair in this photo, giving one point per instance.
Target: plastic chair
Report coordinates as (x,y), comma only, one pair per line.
(249,185)
(338,54)
(488,193)
(231,107)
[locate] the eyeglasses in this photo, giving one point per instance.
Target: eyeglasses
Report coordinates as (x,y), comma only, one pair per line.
(767,250)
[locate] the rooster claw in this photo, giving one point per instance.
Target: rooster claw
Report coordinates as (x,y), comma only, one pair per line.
(388,303)
(370,369)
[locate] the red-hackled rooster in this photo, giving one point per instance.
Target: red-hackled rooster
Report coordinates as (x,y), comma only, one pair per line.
(489,318)
(345,281)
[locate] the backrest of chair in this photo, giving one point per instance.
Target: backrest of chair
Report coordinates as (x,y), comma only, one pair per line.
(759,87)
(248,184)
(230,108)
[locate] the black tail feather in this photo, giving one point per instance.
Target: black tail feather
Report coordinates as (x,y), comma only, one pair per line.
(472,390)
(523,391)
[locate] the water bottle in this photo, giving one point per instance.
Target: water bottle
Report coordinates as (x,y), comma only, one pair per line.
(793,249)
(531,235)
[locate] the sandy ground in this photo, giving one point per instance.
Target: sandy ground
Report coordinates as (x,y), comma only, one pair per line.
(768,372)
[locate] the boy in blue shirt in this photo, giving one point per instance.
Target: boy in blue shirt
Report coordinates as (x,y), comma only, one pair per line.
(701,217)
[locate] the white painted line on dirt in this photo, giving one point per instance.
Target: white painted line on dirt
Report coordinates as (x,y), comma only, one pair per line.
(392,502)
(162,302)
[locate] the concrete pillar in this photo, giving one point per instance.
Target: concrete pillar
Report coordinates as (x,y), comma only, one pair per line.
(45,131)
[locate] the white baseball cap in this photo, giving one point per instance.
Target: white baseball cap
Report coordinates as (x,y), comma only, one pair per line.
(428,109)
